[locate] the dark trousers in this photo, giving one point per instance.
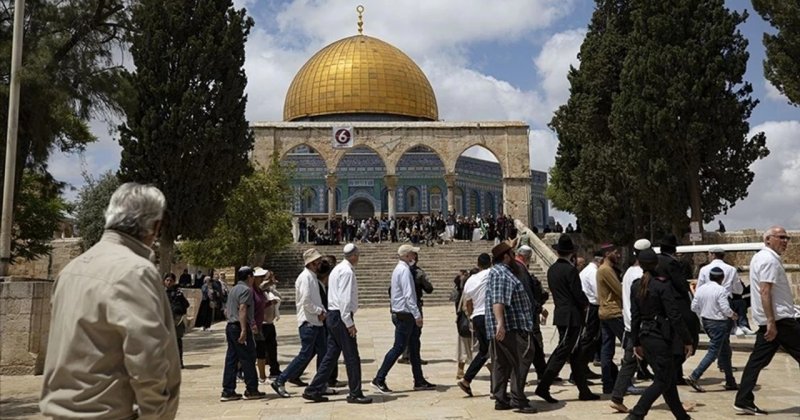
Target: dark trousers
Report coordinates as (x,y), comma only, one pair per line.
(612,329)
(406,334)
(539,362)
(659,353)
(590,340)
(312,342)
(243,355)
(339,341)
(566,350)
(788,337)
(511,359)
(479,331)
(180,330)
(693,325)
(271,342)
(626,372)
(335,372)
(739,306)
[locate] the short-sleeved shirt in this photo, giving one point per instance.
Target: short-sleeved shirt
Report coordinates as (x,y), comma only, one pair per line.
(241,294)
(475,290)
(766,267)
(505,288)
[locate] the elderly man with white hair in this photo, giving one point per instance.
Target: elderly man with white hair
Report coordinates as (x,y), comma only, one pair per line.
(112,350)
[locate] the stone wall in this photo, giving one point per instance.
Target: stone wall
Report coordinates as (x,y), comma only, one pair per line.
(48,267)
(24,325)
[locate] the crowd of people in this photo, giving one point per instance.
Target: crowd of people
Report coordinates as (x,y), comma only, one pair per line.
(114,291)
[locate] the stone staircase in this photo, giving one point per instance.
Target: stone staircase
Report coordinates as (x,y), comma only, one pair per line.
(374,270)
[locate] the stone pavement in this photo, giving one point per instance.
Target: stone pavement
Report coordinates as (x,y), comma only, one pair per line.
(778,392)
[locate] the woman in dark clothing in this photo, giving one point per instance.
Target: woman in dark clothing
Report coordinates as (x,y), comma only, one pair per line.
(208,303)
(659,335)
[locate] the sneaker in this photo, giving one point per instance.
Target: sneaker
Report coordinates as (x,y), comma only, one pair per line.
(381,386)
(230,396)
(424,386)
(748,331)
(693,383)
(254,395)
(750,409)
(358,399)
(297,382)
(279,389)
(465,387)
(739,332)
(314,397)
(635,390)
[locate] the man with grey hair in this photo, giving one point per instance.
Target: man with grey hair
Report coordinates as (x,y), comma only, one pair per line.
(112,350)
(774,311)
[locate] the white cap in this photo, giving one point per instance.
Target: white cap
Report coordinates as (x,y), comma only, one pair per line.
(405,249)
(350,249)
(258,272)
(525,250)
(641,244)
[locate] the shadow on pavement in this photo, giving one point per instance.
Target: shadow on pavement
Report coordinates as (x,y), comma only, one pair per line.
(18,407)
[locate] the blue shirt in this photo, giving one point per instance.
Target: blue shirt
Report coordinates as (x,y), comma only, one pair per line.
(505,288)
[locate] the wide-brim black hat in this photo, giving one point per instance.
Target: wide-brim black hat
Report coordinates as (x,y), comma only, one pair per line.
(669,242)
(564,244)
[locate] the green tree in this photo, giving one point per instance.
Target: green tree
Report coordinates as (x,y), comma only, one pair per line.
(186,132)
(69,75)
(783,48)
(40,210)
(682,109)
(91,206)
(257,221)
(589,177)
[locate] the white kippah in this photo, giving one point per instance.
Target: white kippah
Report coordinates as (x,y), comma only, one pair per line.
(641,245)
(349,249)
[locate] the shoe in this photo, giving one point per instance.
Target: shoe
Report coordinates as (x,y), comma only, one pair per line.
(329,391)
(314,397)
(693,383)
(558,379)
(635,390)
(403,361)
(731,387)
(596,363)
(592,375)
(545,395)
(358,399)
(297,382)
(262,380)
(279,389)
(424,386)
(337,384)
(682,382)
(380,386)
(502,406)
(230,396)
(465,387)
(254,395)
(748,331)
(644,376)
(739,332)
(750,409)
(619,407)
(525,410)
(588,397)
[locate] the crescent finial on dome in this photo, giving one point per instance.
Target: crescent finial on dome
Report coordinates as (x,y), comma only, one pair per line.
(360,10)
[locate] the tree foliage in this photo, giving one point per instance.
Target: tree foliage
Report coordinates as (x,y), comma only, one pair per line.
(257,221)
(40,210)
(783,48)
(657,119)
(186,132)
(69,74)
(90,208)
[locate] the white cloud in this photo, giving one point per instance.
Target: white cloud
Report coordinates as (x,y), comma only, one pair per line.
(775,191)
(553,63)
(773,93)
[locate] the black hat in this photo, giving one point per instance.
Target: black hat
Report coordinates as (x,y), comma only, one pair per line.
(669,243)
(648,256)
(716,273)
(564,244)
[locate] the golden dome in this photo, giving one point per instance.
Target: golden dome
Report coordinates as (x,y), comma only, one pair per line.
(360,75)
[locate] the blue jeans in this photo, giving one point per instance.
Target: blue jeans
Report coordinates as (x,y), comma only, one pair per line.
(720,346)
(612,329)
(242,354)
(406,334)
(312,342)
(740,307)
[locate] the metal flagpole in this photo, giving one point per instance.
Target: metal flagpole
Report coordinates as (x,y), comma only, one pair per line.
(11,140)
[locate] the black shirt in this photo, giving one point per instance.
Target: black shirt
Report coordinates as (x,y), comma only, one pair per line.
(657,313)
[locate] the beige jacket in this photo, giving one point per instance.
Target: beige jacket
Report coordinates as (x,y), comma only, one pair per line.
(609,293)
(112,342)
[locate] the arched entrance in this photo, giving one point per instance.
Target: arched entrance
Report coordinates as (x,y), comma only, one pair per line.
(361,208)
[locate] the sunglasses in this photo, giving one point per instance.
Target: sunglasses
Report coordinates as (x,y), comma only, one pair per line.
(782,237)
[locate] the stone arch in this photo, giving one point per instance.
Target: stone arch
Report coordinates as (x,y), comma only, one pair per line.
(393,159)
(288,147)
(341,153)
(459,149)
(362,196)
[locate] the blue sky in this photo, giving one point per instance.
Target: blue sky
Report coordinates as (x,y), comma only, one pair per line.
(499,60)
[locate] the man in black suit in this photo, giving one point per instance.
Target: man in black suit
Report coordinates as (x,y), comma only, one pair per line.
(671,268)
(569,317)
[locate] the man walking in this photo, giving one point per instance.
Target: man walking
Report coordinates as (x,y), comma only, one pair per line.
(408,322)
(609,297)
(509,326)
(342,307)
(112,350)
(475,298)
(774,311)
(310,317)
(731,284)
(569,317)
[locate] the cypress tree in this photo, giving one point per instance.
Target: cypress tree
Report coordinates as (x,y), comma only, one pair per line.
(783,48)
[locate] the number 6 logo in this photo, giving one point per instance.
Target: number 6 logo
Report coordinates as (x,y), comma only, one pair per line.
(342,136)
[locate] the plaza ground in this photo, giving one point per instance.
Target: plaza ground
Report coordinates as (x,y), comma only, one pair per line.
(778,392)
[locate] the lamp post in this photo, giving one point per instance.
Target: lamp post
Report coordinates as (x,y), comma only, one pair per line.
(11,140)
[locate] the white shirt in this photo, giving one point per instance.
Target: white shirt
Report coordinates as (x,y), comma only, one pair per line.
(343,291)
(711,302)
(589,282)
(632,274)
(731,281)
(403,294)
(475,290)
(307,298)
(766,267)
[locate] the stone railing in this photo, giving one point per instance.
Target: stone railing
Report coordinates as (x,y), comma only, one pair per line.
(545,256)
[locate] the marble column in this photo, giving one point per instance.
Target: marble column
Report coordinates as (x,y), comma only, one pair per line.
(450,180)
(331,181)
(391,187)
